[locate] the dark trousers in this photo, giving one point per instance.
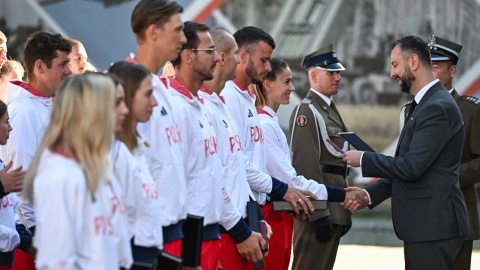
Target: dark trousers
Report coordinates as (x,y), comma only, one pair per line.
(464,258)
(438,255)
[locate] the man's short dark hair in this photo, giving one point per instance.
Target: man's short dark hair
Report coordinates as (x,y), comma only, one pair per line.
(190,29)
(148,12)
(222,41)
(414,45)
(43,46)
(249,36)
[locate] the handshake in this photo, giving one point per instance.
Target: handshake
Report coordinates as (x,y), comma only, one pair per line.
(355,199)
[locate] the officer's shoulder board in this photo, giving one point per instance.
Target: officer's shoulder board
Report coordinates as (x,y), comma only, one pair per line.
(470,99)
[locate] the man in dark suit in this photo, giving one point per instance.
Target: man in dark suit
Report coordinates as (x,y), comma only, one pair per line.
(428,209)
(313,122)
(445,55)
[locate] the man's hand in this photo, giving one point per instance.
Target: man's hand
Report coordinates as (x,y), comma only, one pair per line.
(352,158)
(12,181)
(295,195)
(355,199)
(323,230)
(250,248)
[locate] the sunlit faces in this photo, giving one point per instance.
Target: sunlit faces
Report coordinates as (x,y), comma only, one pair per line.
(259,62)
(230,62)
(205,60)
(5,128)
(400,70)
(3,53)
(143,101)
(444,71)
(52,77)
(170,37)
(326,82)
(78,59)
(279,90)
(121,109)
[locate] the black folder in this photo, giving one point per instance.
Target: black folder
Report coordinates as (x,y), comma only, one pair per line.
(192,240)
(167,261)
(354,140)
(253,211)
(144,258)
(287,206)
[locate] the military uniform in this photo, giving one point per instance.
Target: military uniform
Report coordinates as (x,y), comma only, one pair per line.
(312,122)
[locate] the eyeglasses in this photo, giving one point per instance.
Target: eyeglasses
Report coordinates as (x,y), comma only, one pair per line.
(209,50)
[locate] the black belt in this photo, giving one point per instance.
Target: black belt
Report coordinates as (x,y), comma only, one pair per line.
(334,169)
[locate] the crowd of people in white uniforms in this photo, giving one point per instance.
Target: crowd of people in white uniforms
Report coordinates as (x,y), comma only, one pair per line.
(117,161)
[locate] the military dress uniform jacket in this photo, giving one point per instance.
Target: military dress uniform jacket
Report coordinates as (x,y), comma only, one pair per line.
(469,173)
(309,153)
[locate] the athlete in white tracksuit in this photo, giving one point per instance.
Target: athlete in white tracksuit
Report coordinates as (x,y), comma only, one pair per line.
(241,105)
(166,162)
(141,194)
(29,113)
(75,229)
(279,162)
(207,195)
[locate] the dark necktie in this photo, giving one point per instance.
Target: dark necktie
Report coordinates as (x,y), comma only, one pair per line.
(410,110)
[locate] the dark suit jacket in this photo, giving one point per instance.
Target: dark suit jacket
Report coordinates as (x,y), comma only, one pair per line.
(422,178)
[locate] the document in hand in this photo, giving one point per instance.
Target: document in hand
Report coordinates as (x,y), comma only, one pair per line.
(354,140)
(287,206)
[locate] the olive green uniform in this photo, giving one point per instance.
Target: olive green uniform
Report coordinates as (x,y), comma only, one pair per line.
(312,160)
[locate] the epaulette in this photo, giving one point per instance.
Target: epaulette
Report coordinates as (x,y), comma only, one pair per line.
(306,101)
(470,99)
(407,103)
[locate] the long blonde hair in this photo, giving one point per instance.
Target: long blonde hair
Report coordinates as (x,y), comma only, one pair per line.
(82,125)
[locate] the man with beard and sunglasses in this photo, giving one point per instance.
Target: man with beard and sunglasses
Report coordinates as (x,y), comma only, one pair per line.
(428,208)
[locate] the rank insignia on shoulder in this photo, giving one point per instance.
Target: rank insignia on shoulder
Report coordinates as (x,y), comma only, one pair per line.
(473,100)
(302,120)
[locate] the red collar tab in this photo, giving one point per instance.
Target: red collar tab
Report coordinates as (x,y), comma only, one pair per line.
(59,150)
(182,89)
(239,85)
(262,111)
(131,60)
(205,90)
(222,99)
(29,88)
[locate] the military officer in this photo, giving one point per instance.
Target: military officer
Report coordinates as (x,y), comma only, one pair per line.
(313,122)
(445,55)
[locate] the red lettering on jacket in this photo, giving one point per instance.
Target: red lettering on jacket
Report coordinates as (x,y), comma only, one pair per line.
(103,225)
(119,204)
(6,202)
(150,191)
(235,144)
(210,146)
(173,134)
(256,134)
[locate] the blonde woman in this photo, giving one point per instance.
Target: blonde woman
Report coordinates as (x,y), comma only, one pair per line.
(68,181)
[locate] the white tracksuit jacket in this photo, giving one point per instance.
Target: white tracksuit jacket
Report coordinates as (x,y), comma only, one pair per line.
(279,162)
(241,105)
(229,150)
(141,195)
(207,196)
(166,163)
(29,114)
(74,227)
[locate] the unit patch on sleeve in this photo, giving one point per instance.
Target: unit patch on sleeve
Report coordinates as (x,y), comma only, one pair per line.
(302,120)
